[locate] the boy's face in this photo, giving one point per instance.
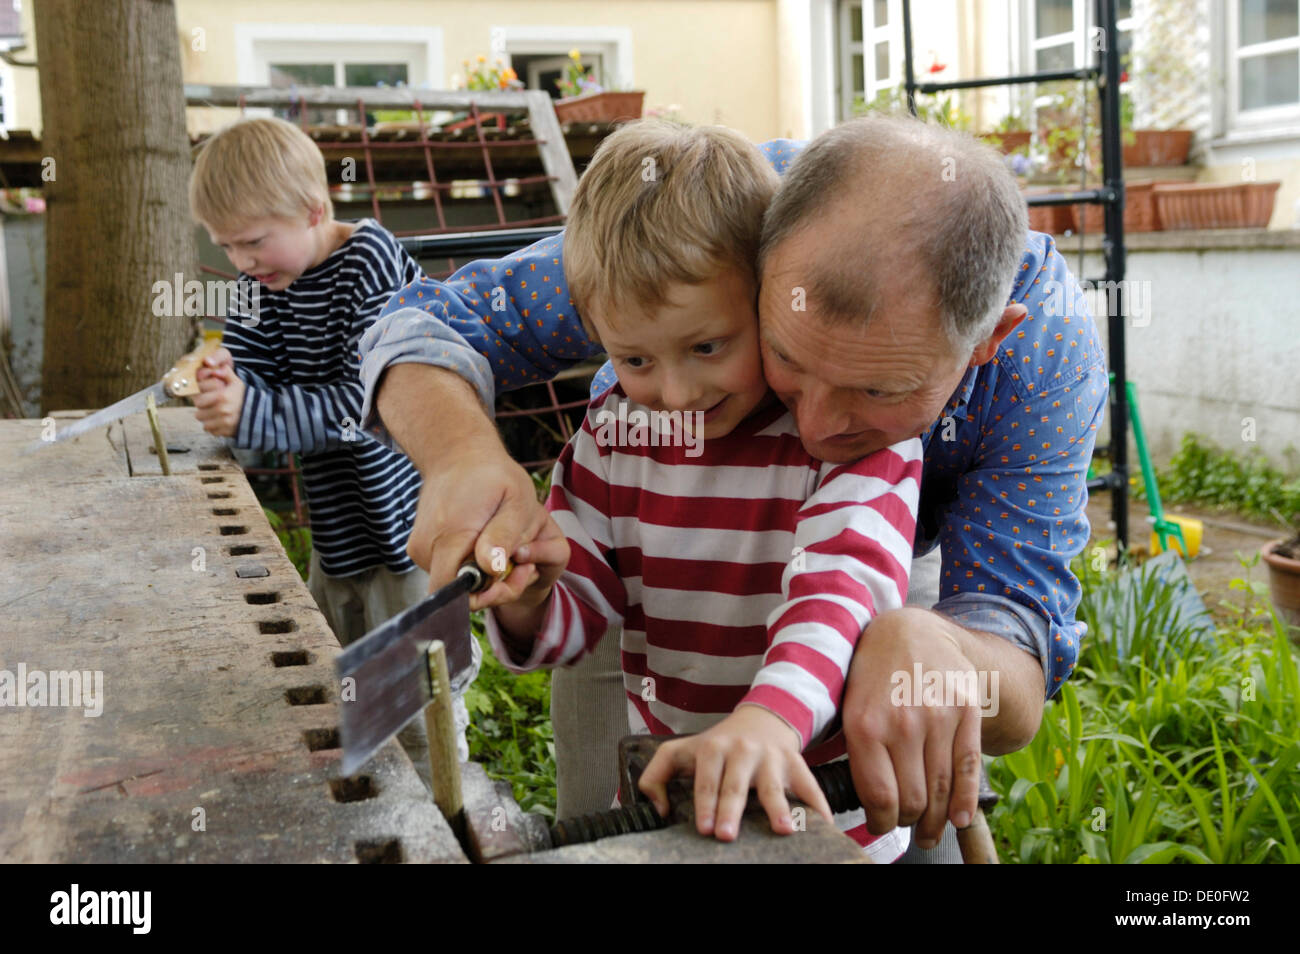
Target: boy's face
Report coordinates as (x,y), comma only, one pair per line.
(274,251)
(699,352)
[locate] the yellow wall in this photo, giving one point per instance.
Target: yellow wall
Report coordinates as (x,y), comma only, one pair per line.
(714,58)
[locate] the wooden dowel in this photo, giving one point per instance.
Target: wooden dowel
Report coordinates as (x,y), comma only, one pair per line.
(444,763)
(160,445)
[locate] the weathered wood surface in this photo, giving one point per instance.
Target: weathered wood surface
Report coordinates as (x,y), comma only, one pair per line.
(135,577)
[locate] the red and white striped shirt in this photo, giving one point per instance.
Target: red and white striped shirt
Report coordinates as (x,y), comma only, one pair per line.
(744,573)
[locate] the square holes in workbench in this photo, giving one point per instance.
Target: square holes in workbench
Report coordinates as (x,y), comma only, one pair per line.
(320,740)
(261,599)
(306,696)
(274,627)
(291,657)
(379,852)
(355,789)
(244,550)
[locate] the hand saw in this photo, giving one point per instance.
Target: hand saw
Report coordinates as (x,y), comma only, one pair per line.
(180,381)
(389,666)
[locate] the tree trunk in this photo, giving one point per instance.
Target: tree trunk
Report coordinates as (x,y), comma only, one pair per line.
(117,167)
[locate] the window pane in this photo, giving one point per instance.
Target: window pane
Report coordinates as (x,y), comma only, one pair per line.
(1059,57)
(1272,80)
(1125,46)
(1052,17)
(882,12)
(1263,20)
(302,74)
(882,61)
(374,74)
(855,23)
(859,77)
(1123,10)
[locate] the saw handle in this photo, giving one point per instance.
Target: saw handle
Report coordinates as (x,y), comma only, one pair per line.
(182,380)
(477,578)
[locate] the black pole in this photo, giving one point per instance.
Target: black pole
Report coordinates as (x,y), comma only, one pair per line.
(1113,249)
(909,77)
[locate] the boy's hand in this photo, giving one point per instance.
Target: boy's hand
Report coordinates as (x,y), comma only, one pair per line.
(220,401)
(752,746)
(520,602)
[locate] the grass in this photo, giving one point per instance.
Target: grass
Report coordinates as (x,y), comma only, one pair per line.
(1183,748)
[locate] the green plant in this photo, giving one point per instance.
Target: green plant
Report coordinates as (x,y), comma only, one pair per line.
(1203,473)
(295,540)
(510,728)
(489,78)
(941,110)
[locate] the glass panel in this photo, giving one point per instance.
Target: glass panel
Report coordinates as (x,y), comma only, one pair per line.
(1052,17)
(1125,47)
(1059,57)
(882,12)
(1123,10)
(1263,20)
(882,61)
(1272,80)
(302,74)
(859,75)
(374,74)
(855,23)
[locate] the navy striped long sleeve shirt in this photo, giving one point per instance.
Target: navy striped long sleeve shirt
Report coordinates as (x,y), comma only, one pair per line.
(296,352)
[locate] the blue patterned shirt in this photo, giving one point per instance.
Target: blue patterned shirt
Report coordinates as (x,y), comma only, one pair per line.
(1004,487)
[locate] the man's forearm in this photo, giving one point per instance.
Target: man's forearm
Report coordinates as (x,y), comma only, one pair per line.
(432,412)
(1019,688)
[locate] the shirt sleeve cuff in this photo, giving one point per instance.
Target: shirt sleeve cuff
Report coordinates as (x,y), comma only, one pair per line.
(412,336)
(541,645)
(1020,624)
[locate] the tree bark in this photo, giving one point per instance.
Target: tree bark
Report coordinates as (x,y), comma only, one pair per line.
(117,167)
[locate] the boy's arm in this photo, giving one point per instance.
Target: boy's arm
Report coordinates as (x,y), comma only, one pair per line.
(853,550)
(851,560)
(589,596)
(312,418)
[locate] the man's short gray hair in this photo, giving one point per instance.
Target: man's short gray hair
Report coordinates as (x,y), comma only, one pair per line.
(932,200)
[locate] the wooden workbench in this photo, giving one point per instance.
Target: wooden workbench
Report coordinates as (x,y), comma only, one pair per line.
(217,740)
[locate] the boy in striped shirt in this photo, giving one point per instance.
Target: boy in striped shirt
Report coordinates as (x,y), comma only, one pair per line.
(287,378)
(741,569)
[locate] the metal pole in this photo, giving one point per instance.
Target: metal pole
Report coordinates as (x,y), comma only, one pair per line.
(909,78)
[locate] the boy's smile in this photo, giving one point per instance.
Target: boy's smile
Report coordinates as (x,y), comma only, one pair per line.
(698,352)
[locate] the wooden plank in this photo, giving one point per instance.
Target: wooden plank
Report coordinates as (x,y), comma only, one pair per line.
(218,691)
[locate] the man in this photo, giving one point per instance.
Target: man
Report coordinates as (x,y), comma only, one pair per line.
(899,297)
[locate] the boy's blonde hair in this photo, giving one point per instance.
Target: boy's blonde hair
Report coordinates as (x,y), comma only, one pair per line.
(663,203)
(257,168)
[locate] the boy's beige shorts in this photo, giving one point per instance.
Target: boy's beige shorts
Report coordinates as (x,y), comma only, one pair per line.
(354,605)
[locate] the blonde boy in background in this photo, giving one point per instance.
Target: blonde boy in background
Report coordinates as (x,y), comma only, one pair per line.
(287,378)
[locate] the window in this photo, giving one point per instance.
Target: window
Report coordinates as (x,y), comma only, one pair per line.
(544,71)
(285,55)
(1264,46)
(1061,32)
(871,50)
(539,55)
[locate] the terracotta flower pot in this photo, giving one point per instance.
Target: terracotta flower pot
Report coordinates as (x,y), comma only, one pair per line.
(1139,211)
(1158,147)
(1052,219)
(600,107)
(1206,205)
(1284,586)
(1008,142)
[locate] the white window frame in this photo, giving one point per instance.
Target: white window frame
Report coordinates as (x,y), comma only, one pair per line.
(1079,34)
(890,32)
(614,44)
(1266,118)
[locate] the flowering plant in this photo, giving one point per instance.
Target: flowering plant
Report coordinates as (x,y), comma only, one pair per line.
(482,77)
(577,80)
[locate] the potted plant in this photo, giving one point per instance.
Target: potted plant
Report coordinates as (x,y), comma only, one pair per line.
(1011,135)
(1165,94)
(582,99)
(485,79)
(1283,560)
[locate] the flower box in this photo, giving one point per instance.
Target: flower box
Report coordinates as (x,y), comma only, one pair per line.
(1008,142)
(1158,147)
(600,107)
(1205,205)
(1052,219)
(1140,213)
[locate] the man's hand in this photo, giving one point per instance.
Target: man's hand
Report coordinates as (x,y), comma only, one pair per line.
(475,499)
(750,746)
(220,401)
(920,764)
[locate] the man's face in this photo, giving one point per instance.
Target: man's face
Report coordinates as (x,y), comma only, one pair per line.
(698,352)
(853,388)
(274,251)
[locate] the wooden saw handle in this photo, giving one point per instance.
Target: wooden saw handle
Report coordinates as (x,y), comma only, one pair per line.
(182,380)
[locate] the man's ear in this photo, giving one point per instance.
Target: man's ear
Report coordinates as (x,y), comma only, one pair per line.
(315,215)
(1012,315)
